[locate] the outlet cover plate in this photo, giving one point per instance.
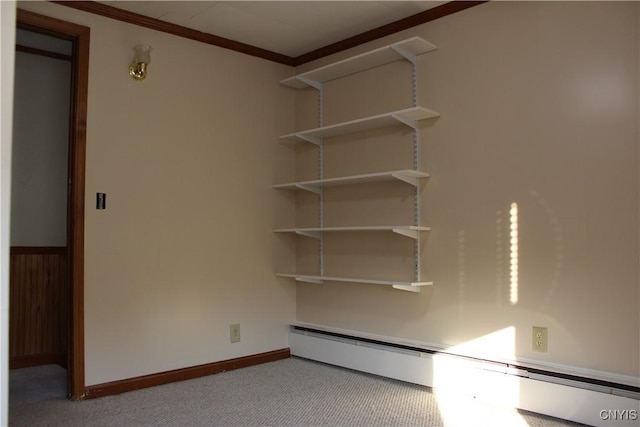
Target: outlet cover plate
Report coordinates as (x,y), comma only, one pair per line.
(539,339)
(234,333)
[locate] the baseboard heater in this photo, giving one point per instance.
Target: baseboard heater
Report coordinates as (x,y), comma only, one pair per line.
(572,397)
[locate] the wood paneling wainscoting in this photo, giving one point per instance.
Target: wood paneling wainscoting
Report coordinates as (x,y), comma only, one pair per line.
(39,306)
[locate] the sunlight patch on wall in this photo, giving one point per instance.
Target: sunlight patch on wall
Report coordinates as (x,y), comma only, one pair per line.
(513,257)
(461,273)
(499,258)
(498,345)
(461,384)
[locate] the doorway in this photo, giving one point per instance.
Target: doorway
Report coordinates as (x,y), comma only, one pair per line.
(68,266)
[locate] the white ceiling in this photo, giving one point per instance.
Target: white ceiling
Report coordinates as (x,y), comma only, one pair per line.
(291,28)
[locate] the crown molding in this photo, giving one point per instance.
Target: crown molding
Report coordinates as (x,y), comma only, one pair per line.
(176,30)
(189,33)
(386,30)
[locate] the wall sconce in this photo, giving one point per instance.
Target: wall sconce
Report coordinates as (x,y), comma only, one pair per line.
(141,60)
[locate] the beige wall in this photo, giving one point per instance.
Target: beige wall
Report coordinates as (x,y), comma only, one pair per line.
(539,105)
(187,159)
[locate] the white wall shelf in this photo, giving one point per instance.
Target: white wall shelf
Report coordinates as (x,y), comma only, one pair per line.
(411,177)
(404,50)
(401,285)
(409,117)
(411,231)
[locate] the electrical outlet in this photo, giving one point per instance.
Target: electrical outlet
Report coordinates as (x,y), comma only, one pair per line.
(234,332)
(539,339)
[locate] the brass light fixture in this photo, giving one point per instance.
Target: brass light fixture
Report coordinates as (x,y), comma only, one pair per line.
(141,60)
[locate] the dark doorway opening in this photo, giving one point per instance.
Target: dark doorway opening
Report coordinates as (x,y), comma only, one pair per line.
(73,265)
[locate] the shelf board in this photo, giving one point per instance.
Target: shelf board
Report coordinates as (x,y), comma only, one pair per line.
(407,175)
(408,117)
(404,50)
(396,284)
(411,231)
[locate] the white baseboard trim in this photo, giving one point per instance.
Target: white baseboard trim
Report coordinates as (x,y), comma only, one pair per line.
(486,381)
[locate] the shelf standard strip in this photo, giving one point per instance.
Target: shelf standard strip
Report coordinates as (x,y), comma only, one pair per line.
(416,165)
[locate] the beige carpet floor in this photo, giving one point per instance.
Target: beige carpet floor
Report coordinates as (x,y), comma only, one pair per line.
(291,392)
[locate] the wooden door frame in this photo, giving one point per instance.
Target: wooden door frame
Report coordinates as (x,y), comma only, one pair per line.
(80,37)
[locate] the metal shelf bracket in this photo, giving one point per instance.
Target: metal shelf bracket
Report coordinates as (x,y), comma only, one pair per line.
(413,234)
(406,288)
